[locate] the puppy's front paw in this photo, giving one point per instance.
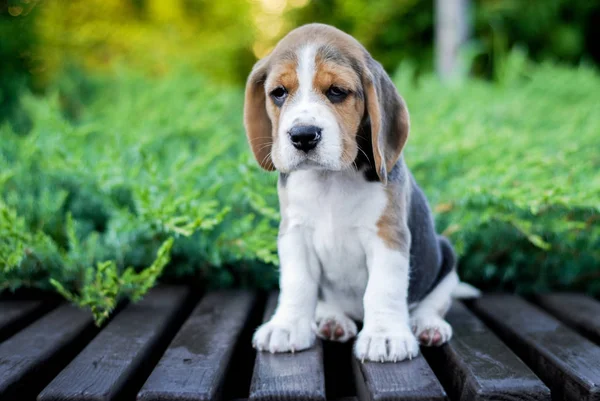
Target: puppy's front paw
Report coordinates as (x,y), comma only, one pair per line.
(381,344)
(336,328)
(431,329)
(284,337)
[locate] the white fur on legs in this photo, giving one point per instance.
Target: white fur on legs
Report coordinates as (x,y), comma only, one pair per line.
(292,326)
(277,336)
(386,335)
(427,319)
(391,343)
(333,324)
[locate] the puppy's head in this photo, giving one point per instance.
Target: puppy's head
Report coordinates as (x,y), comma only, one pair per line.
(318,100)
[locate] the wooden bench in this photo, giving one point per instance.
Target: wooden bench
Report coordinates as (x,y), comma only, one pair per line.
(176,345)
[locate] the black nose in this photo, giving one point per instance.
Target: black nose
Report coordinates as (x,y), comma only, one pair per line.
(305,137)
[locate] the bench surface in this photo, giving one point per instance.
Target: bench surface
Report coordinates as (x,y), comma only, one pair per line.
(174,345)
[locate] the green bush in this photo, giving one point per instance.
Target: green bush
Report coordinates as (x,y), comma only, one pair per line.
(512,171)
(145,161)
(398,30)
(90,203)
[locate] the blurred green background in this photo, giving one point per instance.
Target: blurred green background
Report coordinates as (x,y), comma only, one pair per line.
(121,139)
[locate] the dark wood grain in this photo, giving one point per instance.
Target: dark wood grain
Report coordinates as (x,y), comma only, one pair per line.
(30,358)
(111,366)
(476,366)
(16,314)
(567,362)
(576,310)
(193,367)
(288,376)
(409,380)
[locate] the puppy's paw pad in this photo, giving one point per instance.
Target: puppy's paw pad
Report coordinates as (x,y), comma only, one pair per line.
(386,345)
(336,328)
(431,330)
(284,337)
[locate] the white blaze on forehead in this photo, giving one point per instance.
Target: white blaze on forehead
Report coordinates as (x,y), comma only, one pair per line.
(306,107)
(306,72)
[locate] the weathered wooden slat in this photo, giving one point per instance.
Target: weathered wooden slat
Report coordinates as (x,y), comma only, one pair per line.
(567,362)
(193,367)
(115,364)
(576,310)
(16,314)
(288,376)
(476,365)
(30,358)
(409,380)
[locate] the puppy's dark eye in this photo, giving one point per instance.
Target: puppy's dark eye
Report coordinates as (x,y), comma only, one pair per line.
(335,94)
(278,95)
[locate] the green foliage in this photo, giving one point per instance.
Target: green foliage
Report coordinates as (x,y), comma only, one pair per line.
(149,35)
(512,170)
(103,286)
(144,162)
(399,30)
(559,30)
(95,204)
(41,39)
(18,40)
(392,30)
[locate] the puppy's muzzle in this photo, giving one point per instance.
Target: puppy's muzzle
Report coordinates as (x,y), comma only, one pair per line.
(305,137)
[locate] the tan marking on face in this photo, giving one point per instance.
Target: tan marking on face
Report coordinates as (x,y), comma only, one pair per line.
(283,73)
(282,65)
(349,112)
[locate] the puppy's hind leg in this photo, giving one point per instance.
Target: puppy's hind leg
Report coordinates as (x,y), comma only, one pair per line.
(427,319)
(333,324)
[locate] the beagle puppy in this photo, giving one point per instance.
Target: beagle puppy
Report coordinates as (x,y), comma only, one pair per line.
(357,239)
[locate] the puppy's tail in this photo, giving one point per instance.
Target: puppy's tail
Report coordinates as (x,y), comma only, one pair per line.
(462,290)
(465,291)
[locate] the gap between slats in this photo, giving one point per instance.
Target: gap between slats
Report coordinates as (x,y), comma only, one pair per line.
(339,377)
(237,381)
(150,361)
(131,378)
(578,311)
(16,314)
(476,365)
(563,359)
(43,354)
(195,364)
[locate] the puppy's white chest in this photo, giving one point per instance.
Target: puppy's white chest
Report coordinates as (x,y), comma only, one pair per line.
(342,199)
(337,211)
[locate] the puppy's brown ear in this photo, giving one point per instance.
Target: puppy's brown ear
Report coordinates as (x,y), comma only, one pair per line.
(256,120)
(388,116)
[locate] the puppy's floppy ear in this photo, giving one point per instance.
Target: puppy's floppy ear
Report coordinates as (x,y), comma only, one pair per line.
(256,120)
(388,116)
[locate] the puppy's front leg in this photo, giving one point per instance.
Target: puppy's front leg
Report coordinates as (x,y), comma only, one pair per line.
(291,327)
(386,335)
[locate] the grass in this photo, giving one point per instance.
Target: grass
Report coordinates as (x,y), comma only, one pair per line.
(121,181)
